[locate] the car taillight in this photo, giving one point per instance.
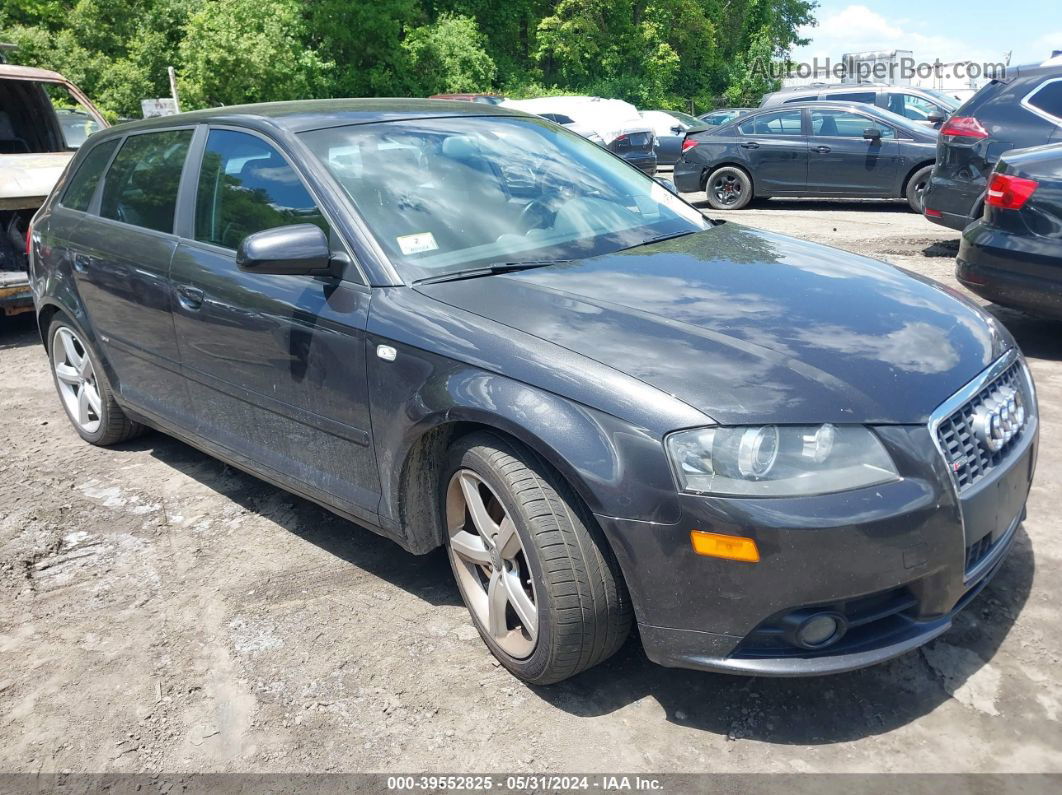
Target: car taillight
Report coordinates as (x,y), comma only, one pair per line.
(29,239)
(1009,192)
(964,127)
(929,211)
(619,138)
(688,144)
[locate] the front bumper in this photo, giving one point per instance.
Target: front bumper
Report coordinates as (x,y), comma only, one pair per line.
(1019,271)
(897,561)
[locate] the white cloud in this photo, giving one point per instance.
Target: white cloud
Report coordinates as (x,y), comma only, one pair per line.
(856,28)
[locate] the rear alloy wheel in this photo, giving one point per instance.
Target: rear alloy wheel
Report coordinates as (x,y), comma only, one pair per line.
(916,188)
(533,568)
(728,188)
(83,389)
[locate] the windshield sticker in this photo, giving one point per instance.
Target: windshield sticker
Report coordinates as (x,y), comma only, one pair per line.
(418,243)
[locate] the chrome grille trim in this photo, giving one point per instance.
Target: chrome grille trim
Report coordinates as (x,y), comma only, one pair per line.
(968,461)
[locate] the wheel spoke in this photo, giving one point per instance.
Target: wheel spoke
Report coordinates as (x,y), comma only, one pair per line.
(521,602)
(93,397)
(72,356)
(470,547)
(82,405)
(67,374)
(477,509)
(84,367)
(507,541)
(497,599)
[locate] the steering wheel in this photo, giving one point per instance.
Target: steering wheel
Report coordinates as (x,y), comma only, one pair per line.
(535,215)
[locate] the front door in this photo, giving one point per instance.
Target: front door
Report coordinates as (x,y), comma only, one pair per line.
(275,364)
(841,161)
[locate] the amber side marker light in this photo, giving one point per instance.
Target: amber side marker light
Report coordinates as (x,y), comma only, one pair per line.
(715,545)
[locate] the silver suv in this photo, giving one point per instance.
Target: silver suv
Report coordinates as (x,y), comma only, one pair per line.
(922,105)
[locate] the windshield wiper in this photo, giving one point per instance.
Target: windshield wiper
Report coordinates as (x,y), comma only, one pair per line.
(667,236)
(491,270)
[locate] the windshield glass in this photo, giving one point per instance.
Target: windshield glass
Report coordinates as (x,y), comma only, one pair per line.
(447,195)
(947,100)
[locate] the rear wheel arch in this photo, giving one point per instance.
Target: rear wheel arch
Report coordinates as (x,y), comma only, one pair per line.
(911,172)
(709,170)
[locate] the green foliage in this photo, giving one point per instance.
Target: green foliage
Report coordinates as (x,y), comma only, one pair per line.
(449,55)
(655,53)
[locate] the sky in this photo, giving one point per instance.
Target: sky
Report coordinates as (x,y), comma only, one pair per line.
(951,30)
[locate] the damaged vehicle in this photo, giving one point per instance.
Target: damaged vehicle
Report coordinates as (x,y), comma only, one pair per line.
(44,118)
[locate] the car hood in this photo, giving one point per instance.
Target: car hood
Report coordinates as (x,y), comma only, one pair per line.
(30,176)
(750,326)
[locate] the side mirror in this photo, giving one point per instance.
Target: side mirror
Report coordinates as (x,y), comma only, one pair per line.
(872,134)
(677,130)
(935,118)
(285,251)
(667,184)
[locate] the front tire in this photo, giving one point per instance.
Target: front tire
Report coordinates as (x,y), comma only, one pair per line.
(83,388)
(533,568)
(916,188)
(728,188)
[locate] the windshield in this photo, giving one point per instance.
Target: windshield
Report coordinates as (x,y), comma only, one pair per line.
(949,102)
(685,118)
(448,195)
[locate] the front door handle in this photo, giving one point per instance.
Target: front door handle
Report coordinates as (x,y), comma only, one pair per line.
(750,145)
(822,149)
(191,298)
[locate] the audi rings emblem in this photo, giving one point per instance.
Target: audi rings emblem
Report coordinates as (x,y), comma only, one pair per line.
(999,418)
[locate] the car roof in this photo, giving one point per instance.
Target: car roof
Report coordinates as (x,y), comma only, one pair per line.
(312,114)
(29,73)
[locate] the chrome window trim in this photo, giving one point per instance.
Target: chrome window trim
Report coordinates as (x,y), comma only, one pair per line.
(1043,114)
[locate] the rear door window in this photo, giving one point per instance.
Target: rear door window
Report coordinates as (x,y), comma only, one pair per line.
(852,96)
(786,122)
(246,186)
(141,184)
(1046,100)
(79,192)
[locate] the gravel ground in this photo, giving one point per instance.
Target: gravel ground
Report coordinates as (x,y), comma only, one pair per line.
(160,611)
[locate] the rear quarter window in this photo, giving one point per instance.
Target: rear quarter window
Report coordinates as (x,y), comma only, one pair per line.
(82,187)
(1046,99)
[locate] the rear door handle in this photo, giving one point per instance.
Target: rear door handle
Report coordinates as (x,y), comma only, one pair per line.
(191,298)
(822,149)
(750,145)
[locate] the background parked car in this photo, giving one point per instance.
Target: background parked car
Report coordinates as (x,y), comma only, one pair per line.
(575,127)
(486,99)
(816,149)
(719,117)
(1012,255)
(615,122)
(44,118)
(922,105)
(670,128)
(1020,110)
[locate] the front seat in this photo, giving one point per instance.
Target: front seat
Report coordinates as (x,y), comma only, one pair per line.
(829,126)
(10,144)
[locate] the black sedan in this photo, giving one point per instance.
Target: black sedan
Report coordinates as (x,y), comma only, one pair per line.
(824,149)
(1012,255)
(777,457)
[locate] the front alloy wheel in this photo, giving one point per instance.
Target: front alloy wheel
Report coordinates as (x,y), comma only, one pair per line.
(533,568)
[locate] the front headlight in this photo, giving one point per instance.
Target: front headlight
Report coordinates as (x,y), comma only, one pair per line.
(779,460)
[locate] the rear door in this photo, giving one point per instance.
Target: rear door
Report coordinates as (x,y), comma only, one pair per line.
(775,150)
(841,161)
(275,364)
(121,260)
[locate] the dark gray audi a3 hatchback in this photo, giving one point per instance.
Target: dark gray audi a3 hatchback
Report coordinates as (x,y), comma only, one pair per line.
(466,327)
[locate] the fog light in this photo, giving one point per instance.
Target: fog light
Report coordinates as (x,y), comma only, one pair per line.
(815,631)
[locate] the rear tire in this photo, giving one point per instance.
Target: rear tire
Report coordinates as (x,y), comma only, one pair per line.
(535,571)
(84,391)
(916,188)
(728,188)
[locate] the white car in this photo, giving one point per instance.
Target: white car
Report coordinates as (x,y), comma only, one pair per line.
(616,123)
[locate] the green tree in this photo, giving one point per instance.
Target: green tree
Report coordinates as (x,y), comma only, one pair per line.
(236,51)
(449,55)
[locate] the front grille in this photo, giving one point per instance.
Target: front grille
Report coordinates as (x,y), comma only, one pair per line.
(968,457)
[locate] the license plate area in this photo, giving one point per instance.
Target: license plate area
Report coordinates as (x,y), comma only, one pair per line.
(990,509)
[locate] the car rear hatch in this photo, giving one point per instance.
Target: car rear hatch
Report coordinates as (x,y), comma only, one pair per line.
(633,141)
